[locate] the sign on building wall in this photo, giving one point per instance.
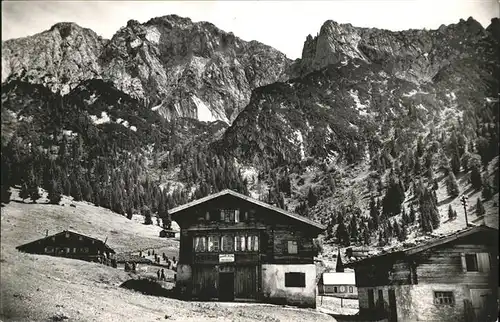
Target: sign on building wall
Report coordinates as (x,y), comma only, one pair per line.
(226,258)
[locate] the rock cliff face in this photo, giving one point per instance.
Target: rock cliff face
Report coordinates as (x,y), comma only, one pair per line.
(414,55)
(171,64)
(359,83)
(59,58)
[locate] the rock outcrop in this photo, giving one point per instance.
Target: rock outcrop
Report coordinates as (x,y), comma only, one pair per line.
(172,65)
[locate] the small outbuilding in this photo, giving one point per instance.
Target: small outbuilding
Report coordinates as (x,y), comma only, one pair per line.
(338,284)
(70,244)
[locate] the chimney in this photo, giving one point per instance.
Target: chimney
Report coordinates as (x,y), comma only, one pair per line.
(46,232)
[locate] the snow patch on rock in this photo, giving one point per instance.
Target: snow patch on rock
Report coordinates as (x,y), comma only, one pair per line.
(156,108)
(203,113)
(153,35)
(361,108)
(133,128)
(412,93)
(300,140)
(135,43)
(100,120)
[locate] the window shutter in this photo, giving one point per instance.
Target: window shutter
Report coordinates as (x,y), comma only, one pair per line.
(483,262)
(464,265)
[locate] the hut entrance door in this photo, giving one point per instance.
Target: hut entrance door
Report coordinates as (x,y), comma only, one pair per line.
(226,286)
(482,301)
(393,312)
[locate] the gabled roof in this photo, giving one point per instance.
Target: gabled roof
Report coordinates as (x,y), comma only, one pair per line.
(428,245)
(249,199)
(339,278)
(63,232)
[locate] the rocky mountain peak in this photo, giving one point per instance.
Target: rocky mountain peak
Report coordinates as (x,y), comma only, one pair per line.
(414,55)
(494,28)
(171,64)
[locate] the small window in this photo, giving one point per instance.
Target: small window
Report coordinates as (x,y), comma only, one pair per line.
(227,244)
(253,243)
(237,215)
(74,250)
(350,289)
(80,238)
(292,247)
(213,243)
(85,249)
(49,249)
(380,299)
(200,244)
(207,216)
(471,263)
(295,279)
(342,289)
(227,215)
(239,243)
(444,298)
(335,290)
(67,235)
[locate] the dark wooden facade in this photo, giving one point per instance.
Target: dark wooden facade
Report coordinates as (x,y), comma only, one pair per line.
(230,242)
(69,244)
(454,278)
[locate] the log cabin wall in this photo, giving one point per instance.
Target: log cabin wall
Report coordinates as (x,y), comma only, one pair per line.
(464,271)
(284,245)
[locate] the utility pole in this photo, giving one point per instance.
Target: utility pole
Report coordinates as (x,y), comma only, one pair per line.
(463,200)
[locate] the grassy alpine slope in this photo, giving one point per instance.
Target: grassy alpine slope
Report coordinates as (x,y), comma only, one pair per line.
(41,288)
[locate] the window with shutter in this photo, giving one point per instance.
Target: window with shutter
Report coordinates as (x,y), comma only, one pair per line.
(292,247)
(237,243)
(227,243)
(237,215)
(471,263)
(213,243)
(483,260)
(200,244)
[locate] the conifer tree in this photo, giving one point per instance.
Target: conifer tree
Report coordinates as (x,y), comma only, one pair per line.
(312,199)
(354,228)
(451,213)
(374,213)
(452,185)
(475,177)
(455,163)
(342,234)
(397,230)
(146,212)
(24,192)
(487,191)
(411,215)
(340,266)
(5,194)
(479,207)
(54,193)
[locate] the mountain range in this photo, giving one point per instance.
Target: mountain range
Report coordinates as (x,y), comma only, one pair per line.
(198,110)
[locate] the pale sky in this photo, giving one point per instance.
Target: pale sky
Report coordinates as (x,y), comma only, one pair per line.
(283,25)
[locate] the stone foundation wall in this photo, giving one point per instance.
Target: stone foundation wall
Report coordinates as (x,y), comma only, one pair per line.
(275,291)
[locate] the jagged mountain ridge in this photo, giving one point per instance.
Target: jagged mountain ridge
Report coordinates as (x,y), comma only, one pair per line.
(362,88)
(177,67)
(331,122)
(414,55)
